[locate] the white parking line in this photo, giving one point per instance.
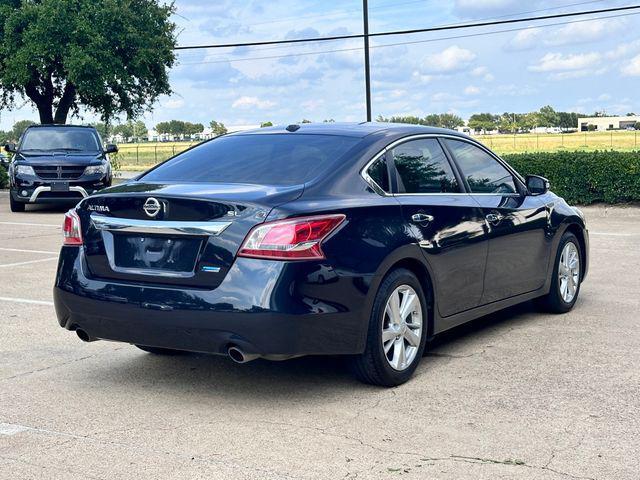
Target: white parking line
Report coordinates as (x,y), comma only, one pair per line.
(26,300)
(27,262)
(27,251)
(31,224)
(11,429)
(612,234)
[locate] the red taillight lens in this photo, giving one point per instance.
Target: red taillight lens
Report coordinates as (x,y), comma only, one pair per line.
(296,239)
(72,235)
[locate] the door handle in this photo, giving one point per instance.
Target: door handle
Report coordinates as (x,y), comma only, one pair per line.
(494,217)
(422,218)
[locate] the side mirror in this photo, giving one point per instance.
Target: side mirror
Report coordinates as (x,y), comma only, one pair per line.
(537,185)
(111,148)
(10,147)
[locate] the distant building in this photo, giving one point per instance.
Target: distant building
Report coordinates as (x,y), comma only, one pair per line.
(607,123)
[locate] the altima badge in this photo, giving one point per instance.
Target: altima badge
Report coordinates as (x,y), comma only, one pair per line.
(152,207)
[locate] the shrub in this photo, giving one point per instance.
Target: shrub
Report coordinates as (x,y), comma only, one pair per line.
(585,177)
(4,178)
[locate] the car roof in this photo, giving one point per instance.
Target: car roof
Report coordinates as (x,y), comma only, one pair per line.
(350,129)
(60,125)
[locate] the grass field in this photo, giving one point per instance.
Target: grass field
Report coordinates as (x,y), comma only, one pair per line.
(144,155)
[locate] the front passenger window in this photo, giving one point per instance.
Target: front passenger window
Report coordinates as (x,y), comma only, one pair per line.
(423,168)
(484,173)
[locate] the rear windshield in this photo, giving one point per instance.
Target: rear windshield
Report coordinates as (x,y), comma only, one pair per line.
(66,139)
(270,159)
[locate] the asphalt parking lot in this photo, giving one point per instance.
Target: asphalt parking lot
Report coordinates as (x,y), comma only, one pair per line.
(515,395)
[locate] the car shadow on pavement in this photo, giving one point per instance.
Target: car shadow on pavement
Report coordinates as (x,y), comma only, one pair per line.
(211,376)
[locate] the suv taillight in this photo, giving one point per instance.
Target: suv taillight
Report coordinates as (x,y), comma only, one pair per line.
(295,239)
(72,235)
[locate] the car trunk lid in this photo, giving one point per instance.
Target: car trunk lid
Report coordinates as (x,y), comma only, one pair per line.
(179,234)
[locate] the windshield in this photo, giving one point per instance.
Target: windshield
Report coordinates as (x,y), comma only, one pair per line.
(270,159)
(67,139)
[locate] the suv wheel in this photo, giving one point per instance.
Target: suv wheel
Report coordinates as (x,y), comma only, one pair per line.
(397,332)
(567,275)
(16,206)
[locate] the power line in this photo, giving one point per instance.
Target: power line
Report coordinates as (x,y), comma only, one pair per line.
(413,42)
(412,31)
(277,47)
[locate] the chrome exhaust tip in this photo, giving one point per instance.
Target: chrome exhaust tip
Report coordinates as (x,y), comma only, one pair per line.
(239,356)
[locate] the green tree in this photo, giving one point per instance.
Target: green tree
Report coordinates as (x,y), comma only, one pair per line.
(266,124)
(110,57)
(163,127)
(131,129)
(217,128)
(567,120)
(450,120)
(637,126)
(103,129)
(548,117)
(191,129)
(508,123)
(18,129)
(483,121)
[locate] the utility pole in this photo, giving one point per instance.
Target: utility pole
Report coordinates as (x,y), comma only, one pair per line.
(367,69)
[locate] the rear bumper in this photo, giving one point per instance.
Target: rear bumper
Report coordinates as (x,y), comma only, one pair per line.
(263,307)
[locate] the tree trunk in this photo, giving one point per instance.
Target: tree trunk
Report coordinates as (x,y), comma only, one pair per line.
(65,103)
(44,103)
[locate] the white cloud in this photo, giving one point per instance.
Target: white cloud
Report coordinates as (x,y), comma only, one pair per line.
(173,103)
(604,97)
(525,39)
(469,8)
(449,60)
(558,62)
(584,32)
(252,102)
(482,72)
(632,69)
(471,90)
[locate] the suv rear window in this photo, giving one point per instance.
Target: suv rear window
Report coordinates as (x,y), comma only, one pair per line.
(60,138)
(269,159)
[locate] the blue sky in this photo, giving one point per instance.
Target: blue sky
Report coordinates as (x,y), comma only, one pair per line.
(584,66)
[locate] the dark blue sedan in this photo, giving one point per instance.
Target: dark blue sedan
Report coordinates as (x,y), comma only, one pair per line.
(335,239)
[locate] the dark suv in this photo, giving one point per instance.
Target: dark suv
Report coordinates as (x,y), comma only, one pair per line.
(57,163)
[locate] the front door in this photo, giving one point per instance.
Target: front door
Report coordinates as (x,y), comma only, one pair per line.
(517,224)
(446,222)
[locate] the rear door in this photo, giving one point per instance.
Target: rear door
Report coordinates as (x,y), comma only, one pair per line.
(517,223)
(446,221)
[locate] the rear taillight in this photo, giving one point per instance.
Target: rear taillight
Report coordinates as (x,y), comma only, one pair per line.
(71,232)
(296,239)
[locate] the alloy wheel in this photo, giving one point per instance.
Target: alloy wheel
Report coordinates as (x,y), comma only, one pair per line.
(569,272)
(402,327)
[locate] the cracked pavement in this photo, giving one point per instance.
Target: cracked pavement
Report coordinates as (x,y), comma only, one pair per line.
(519,394)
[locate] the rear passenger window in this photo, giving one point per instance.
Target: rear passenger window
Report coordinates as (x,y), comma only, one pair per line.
(484,173)
(379,174)
(423,168)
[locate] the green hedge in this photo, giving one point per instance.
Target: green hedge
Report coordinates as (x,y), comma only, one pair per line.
(585,177)
(4,178)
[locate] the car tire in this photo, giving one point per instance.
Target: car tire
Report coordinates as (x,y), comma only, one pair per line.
(374,365)
(16,207)
(160,351)
(565,282)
